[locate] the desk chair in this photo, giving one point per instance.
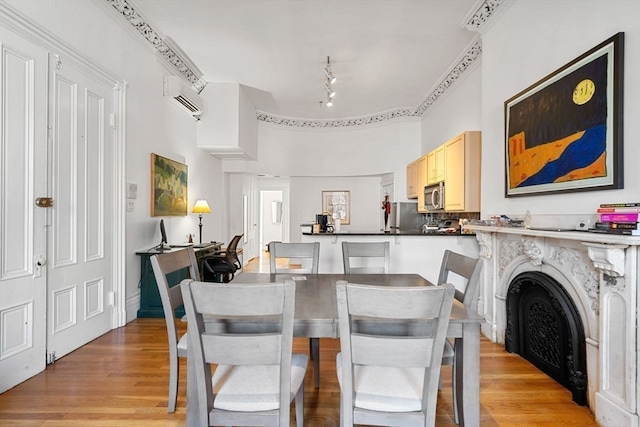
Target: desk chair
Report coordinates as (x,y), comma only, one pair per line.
(164,264)
(390,376)
(223,266)
(464,272)
(257,376)
(308,257)
(365,258)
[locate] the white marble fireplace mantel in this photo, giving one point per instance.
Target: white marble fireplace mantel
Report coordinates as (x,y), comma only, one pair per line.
(600,273)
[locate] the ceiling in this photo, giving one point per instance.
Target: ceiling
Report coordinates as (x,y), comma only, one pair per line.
(386,54)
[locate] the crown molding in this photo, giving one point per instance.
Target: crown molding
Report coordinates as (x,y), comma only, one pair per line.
(179,62)
(481,13)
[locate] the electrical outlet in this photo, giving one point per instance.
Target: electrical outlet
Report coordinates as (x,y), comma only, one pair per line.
(130,205)
(583,224)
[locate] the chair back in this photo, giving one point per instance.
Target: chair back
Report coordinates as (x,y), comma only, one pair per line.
(232,251)
(464,273)
(365,257)
(364,312)
(165,264)
(301,258)
(257,303)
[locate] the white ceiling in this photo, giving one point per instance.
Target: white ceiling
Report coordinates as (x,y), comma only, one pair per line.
(386,54)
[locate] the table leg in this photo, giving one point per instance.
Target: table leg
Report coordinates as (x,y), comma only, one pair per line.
(468,375)
(314,344)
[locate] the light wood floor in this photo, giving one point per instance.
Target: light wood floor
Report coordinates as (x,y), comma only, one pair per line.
(120,379)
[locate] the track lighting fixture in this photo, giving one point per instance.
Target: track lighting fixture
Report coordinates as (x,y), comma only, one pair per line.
(327,85)
(327,72)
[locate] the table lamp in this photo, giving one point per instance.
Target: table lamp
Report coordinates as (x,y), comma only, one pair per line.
(201,207)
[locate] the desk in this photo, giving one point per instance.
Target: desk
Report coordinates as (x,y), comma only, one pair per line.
(317,317)
(150,302)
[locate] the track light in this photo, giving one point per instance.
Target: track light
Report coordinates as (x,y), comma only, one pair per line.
(327,85)
(330,92)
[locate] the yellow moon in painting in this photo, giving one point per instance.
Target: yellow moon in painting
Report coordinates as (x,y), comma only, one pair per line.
(584,91)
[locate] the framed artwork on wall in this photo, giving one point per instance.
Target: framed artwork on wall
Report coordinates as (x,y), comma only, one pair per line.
(564,133)
(168,187)
(337,204)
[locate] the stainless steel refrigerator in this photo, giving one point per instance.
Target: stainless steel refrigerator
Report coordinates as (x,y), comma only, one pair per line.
(404,216)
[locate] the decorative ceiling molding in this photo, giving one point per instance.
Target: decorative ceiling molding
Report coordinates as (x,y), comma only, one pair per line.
(472,54)
(485,10)
(124,8)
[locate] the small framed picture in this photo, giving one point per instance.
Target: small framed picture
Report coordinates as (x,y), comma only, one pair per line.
(337,204)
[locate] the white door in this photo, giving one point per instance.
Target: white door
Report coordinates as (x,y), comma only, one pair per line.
(23,166)
(81,150)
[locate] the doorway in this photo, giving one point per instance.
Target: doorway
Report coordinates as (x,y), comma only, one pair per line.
(271,217)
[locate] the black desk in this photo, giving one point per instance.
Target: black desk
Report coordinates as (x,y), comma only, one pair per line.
(150,302)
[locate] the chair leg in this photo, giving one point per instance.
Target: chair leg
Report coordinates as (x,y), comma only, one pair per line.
(454,387)
(299,401)
(314,345)
(174,367)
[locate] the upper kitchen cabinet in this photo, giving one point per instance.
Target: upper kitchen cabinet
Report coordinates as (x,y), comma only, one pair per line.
(435,165)
(422,180)
(412,180)
(462,172)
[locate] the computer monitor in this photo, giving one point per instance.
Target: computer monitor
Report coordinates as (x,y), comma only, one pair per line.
(163,246)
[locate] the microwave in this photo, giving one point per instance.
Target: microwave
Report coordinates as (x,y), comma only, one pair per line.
(434,197)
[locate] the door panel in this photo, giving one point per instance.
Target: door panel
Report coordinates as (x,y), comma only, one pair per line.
(80,274)
(23,166)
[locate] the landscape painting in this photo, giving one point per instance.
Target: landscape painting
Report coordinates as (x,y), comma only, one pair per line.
(564,132)
(169,187)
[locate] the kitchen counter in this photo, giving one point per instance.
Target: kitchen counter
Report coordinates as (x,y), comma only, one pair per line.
(389,233)
(410,252)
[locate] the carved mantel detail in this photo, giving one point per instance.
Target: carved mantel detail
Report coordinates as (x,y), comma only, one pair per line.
(607,258)
(531,248)
(484,239)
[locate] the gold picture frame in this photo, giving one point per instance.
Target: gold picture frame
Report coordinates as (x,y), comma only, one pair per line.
(168,187)
(339,203)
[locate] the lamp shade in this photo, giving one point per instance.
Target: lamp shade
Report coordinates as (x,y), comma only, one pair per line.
(201,207)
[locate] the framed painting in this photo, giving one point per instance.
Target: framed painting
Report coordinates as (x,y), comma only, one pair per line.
(169,187)
(337,204)
(564,133)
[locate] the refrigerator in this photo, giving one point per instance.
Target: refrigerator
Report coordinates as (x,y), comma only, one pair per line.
(404,216)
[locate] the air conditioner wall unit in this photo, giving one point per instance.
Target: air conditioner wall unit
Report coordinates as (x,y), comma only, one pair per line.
(183,96)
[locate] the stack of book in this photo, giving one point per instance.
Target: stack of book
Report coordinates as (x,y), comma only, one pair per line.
(618,218)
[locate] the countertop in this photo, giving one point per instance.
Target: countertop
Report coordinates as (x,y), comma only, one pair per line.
(389,233)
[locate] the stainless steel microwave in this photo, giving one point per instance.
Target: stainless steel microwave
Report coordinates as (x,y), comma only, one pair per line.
(434,197)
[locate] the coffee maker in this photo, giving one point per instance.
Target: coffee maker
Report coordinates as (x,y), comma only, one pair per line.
(323,221)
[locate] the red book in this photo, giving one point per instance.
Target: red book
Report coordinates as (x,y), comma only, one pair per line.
(619,210)
(619,217)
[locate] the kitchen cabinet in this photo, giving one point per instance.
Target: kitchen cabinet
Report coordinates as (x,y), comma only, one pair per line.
(462,155)
(435,165)
(412,180)
(422,181)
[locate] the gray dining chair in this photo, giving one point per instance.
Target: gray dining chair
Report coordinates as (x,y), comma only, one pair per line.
(464,272)
(165,264)
(365,257)
(390,376)
(256,376)
(298,258)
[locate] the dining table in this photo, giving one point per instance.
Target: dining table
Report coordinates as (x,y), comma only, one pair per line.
(316,316)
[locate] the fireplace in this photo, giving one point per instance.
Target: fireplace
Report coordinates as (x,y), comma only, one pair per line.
(544,327)
(568,302)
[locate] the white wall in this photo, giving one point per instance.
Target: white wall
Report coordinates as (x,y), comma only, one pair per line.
(456,111)
(530,40)
(153,123)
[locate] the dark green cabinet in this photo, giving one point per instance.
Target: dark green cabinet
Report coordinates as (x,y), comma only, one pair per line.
(150,302)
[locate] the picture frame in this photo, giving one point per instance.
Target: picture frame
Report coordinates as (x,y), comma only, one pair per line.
(338,203)
(564,132)
(168,187)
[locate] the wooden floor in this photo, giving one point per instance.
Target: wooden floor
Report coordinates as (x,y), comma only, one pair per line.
(120,379)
